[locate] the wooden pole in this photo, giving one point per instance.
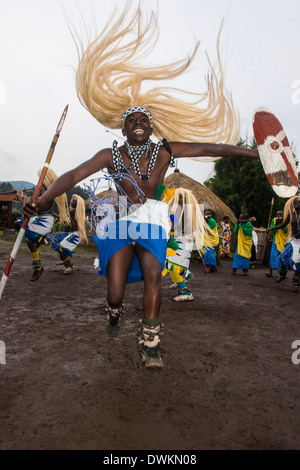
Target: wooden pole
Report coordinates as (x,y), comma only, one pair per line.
(269,223)
(270,215)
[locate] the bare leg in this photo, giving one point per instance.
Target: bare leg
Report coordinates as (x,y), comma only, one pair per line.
(32,246)
(36,263)
(117,271)
(282,273)
(62,258)
(151,326)
(296,281)
(151,271)
(67,264)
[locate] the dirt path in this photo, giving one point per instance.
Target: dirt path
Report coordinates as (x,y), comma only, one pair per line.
(228,383)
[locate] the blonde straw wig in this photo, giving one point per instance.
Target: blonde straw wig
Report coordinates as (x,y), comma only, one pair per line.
(190,219)
(80,217)
(61,201)
(288,211)
(110,76)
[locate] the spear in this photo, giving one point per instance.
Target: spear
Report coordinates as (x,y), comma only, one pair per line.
(270,215)
(269,222)
(34,197)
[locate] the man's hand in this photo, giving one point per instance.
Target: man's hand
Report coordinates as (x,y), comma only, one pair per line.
(29,208)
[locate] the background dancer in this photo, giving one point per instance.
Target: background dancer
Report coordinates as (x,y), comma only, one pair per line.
(290,256)
(40,225)
(226,237)
(243,229)
(188,233)
(278,244)
(212,241)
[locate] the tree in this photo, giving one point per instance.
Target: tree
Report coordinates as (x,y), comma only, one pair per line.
(74,190)
(6,187)
(77,190)
(242,184)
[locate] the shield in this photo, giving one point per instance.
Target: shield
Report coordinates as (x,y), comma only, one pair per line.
(275,153)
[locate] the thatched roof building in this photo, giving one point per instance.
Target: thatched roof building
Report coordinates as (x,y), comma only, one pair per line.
(203,195)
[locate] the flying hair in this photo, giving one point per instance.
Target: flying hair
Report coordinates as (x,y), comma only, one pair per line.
(110,78)
(288,211)
(61,201)
(80,217)
(190,219)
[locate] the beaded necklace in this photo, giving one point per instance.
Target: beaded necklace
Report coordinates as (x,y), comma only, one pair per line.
(135,153)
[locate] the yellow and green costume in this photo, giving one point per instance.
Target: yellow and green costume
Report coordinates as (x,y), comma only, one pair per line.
(279,240)
(212,240)
(242,255)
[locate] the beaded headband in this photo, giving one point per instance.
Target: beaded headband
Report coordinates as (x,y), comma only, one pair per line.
(136,109)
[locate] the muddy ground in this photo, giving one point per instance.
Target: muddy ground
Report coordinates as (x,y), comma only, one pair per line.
(229,382)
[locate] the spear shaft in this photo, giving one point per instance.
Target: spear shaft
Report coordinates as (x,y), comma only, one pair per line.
(267,235)
(34,197)
(270,215)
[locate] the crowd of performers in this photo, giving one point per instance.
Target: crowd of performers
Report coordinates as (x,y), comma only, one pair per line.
(109,82)
(284,256)
(189,231)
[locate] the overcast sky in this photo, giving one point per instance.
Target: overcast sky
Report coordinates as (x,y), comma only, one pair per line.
(260,47)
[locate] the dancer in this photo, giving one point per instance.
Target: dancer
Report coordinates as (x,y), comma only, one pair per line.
(109,84)
(40,225)
(188,232)
(226,236)
(212,241)
(243,229)
(278,244)
(290,256)
(65,243)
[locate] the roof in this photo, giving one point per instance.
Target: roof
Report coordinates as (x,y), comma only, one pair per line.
(203,195)
(7,197)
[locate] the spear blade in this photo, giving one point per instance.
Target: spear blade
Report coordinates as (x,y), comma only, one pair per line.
(62,120)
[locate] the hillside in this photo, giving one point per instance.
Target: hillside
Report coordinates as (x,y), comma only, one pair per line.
(20,184)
